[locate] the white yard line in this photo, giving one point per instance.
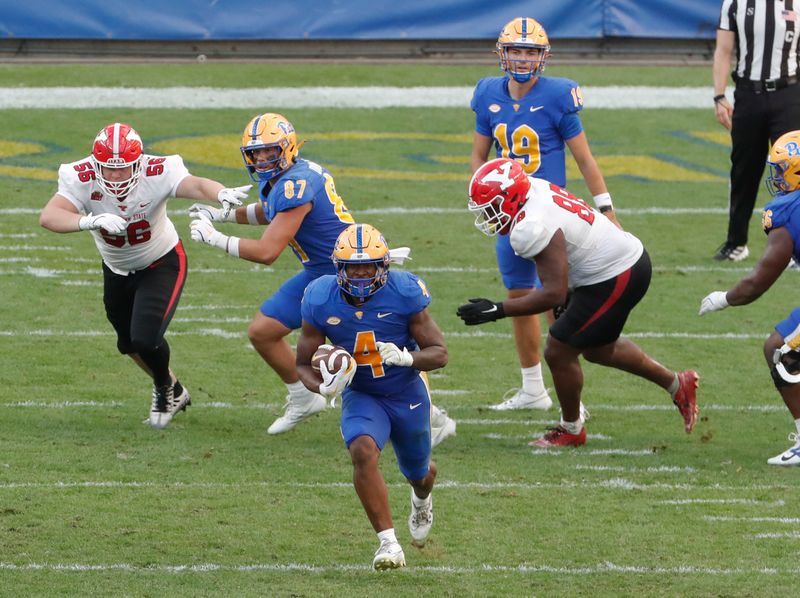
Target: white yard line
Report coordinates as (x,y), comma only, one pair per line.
(613,97)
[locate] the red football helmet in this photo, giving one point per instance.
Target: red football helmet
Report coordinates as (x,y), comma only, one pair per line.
(117,146)
(497,192)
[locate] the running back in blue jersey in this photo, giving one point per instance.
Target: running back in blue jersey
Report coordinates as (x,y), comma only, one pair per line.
(383,317)
(531,130)
(784,211)
(308,182)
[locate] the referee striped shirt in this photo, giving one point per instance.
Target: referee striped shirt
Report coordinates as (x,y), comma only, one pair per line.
(766,37)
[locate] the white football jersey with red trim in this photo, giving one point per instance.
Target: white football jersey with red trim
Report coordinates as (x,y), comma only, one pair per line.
(596,249)
(150,233)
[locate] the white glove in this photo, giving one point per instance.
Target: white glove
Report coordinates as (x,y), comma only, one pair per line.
(211,213)
(111,223)
(232,197)
(334,383)
(714,302)
(391,354)
(204,232)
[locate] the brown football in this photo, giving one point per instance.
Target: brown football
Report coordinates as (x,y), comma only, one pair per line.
(333,355)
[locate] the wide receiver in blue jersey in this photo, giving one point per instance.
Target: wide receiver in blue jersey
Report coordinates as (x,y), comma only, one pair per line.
(381,318)
(299,202)
(781,222)
(529,118)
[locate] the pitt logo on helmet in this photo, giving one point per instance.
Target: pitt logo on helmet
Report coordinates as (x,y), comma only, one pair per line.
(269,146)
(523,48)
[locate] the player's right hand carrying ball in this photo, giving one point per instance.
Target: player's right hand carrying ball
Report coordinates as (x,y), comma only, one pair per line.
(480,311)
(333,383)
(714,302)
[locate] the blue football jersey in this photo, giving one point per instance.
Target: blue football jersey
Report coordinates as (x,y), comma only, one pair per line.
(531,130)
(384,317)
(784,211)
(308,182)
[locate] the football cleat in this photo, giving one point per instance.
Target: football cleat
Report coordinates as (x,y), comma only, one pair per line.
(442,426)
(558,436)
(686,398)
(420,520)
(516,398)
(789,457)
(160,413)
(297,410)
(389,556)
(180,402)
(732,253)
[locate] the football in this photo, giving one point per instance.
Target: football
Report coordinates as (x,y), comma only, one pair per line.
(334,357)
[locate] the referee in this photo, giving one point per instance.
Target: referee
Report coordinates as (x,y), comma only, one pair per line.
(766,99)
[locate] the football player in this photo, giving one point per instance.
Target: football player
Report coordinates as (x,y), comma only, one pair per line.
(299,201)
(529,118)
(781,222)
(576,250)
(381,318)
(120,194)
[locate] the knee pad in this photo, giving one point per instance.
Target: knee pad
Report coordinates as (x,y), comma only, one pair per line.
(785,368)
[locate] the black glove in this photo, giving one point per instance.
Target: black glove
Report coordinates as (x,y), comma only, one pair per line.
(480,311)
(559,310)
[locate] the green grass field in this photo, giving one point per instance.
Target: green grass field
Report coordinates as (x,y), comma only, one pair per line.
(94,502)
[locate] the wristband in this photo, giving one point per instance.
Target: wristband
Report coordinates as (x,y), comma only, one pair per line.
(605,209)
(232,246)
(252,217)
(603,200)
(719,98)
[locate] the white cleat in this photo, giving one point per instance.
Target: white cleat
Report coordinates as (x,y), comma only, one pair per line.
(442,426)
(420,521)
(789,457)
(516,398)
(389,556)
(297,410)
(160,413)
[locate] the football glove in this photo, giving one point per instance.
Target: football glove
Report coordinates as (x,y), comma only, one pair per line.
(111,223)
(204,232)
(231,198)
(333,383)
(211,213)
(391,354)
(480,311)
(714,302)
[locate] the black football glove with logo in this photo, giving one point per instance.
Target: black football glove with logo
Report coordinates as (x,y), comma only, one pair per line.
(480,311)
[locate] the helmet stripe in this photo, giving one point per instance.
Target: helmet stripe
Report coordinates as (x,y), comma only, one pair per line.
(115,141)
(360,238)
(524,29)
(254,132)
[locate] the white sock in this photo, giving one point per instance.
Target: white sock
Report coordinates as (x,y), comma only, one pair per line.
(532,381)
(387,535)
(572,427)
(419,502)
(797,425)
(673,388)
(296,389)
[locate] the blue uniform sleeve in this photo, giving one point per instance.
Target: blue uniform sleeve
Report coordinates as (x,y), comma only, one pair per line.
(294,189)
(414,292)
(312,297)
(570,126)
(478,105)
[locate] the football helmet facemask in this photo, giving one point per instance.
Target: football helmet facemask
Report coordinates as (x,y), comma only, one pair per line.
(361,244)
(497,192)
(784,164)
(268,131)
(523,32)
(117,146)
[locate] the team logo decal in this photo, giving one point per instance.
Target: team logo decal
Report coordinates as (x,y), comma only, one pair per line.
(96,196)
(516,107)
(792,148)
(333,321)
(494,108)
(359,314)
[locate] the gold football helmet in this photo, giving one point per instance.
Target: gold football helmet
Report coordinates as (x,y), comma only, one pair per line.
(523,33)
(269,132)
(784,164)
(361,244)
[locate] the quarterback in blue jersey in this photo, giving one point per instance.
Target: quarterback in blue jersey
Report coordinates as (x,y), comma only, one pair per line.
(529,118)
(781,222)
(298,200)
(381,318)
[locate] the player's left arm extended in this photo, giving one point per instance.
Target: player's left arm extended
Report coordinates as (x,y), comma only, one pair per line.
(553,269)
(432,352)
(772,264)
